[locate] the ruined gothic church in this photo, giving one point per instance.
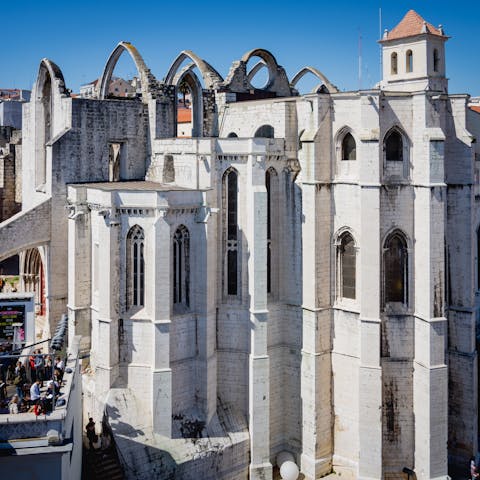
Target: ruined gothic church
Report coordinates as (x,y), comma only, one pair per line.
(300,274)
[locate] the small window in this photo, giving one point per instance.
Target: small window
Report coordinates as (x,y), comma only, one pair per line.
(409,61)
(232,135)
(349,147)
(396,269)
(394,63)
(135,267)
(436,60)
(181,267)
(346,257)
(394,147)
(265,131)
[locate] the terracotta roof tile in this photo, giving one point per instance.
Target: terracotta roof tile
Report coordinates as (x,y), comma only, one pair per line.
(475,108)
(412,24)
(184,115)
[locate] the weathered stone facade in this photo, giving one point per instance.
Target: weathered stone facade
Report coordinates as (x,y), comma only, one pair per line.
(300,275)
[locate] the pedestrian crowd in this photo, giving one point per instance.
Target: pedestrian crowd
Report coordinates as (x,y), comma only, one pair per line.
(37,383)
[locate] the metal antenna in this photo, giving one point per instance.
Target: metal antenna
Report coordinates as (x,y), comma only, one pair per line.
(380,37)
(359,59)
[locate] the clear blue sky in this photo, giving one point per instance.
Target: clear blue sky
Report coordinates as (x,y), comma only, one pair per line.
(80,36)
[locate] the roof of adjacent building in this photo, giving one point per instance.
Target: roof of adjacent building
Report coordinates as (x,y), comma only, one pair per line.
(412,24)
(184,115)
(475,108)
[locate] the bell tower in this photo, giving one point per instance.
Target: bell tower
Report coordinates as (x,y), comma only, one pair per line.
(413,56)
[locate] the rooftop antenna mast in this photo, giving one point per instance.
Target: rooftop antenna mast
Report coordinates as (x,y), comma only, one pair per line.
(359,59)
(380,37)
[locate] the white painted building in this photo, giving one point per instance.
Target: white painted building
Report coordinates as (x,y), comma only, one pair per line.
(301,275)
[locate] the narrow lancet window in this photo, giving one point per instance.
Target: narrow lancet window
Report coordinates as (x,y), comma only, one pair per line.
(409,61)
(396,269)
(394,63)
(349,147)
(347,266)
(394,147)
(268,186)
(436,60)
(135,267)
(181,267)
(230,185)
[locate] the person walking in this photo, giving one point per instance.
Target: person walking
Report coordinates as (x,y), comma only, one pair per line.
(91,435)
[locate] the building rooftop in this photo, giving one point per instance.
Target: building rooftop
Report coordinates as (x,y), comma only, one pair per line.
(412,24)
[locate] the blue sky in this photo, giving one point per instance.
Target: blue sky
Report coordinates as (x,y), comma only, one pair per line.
(80,36)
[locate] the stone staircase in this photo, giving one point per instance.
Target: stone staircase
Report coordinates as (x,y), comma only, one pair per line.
(102,465)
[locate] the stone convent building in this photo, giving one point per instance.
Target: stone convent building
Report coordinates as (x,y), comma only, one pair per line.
(300,275)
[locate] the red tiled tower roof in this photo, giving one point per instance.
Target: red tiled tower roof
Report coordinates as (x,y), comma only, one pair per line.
(412,24)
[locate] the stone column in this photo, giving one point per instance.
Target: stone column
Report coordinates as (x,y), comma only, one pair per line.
(370,372)
(430,377)
(79,273)
(159,298)
(316,382)
(205,249)
(108,294)
(259,401)
(369,277)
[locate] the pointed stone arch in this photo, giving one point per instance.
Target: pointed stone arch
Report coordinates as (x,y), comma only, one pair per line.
(147,80)
(188,76)
(317,73)
(211,77)
(255,69)
(239,80)
(33,278)
(49,88)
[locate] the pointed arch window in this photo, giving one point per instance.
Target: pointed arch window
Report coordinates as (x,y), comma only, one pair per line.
(346,266)
(181,266)
(135,267)
(394,146)
(409,61)
(394,63)
(230,202)
(349,147)
(396,269)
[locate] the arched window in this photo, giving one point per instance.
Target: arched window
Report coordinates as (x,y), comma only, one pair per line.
(394,63)
(265,131)
(232,135)
(230,203)
(393,146)
(409,61)
(396,269)
(436,60)
(346,266)
(34,279)
(135,267)
(181,266)
(349,147)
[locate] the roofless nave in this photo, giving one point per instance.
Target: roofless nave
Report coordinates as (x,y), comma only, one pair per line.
(299,275)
